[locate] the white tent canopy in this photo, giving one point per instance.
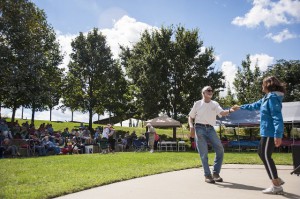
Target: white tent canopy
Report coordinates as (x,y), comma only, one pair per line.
(163,121)
(291,112)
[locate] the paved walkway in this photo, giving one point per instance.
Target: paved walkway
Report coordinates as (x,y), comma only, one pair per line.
(240,181)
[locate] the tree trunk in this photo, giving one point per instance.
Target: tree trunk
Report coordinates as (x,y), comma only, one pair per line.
(175,118)
(130,123)
(32,114)
(50,114)
(72,116)
(109,117)
(174,133)
(22,112)
(13,114)
(90,119)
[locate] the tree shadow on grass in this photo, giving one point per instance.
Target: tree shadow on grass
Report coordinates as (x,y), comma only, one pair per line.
(232,185)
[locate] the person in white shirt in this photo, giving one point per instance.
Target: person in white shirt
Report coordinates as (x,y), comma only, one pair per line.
(202,119)
(106,131)
(151,131)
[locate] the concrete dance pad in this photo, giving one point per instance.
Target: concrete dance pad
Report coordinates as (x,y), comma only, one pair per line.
(240,181)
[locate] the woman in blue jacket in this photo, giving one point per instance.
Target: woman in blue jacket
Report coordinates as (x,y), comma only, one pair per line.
(271,127)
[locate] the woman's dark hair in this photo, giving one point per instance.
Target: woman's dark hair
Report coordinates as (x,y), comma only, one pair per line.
(271,83)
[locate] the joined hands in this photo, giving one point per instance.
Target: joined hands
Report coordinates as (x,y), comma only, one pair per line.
(234,108)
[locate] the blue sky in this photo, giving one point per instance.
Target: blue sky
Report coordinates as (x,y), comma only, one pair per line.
(266,30)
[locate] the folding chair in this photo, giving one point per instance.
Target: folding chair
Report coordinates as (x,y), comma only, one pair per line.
(103,145)
(138,145)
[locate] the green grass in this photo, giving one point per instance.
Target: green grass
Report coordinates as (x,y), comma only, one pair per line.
(47,177)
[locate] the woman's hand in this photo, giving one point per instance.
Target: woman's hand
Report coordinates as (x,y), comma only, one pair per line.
(277,141)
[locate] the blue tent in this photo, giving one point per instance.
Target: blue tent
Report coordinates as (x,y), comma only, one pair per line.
(241,118)
(245,118)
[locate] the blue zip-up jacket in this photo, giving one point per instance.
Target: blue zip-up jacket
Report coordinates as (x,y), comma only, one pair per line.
(271,121)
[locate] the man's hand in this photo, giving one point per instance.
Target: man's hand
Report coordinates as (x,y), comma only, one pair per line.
(277,141)
(235,107)
(192,130)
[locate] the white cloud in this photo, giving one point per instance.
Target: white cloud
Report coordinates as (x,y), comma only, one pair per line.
(125,31)
(229,70)
(202,50)
(270,13)
(261,60)
(282,36)
(109,16)
(217,58)
(66,49)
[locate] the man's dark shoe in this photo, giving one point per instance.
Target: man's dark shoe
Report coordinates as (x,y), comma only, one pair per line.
(217,178)
(209,179)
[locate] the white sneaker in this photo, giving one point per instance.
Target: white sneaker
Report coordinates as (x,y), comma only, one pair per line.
(273,190)
(151,151)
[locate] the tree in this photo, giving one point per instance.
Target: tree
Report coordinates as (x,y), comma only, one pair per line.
(72,96)
(91,61)
(31,55)
(229,99)
(169,69)
(55,89)
(247,83)
(117,100)
(13,43)
(288,72)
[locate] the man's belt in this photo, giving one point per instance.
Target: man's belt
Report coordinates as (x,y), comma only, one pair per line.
(203,125)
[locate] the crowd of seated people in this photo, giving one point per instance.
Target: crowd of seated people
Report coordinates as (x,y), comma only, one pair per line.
(43,140)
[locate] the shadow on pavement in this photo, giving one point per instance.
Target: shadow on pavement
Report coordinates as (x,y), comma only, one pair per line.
(232,185)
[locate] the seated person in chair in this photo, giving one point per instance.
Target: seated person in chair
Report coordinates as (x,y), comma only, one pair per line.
(51,146)
(9,149)
(77,143)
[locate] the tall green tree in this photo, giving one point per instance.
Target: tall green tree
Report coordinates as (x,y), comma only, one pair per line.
(14,40)
(247,83)
(44,76)
(229,100)
(288,72)
(169,69)
(30,55)
(117,101)
(72,95)
(54,92)
(91,61)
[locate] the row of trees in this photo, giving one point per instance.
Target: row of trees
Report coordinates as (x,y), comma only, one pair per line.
(162,73)
(247,82)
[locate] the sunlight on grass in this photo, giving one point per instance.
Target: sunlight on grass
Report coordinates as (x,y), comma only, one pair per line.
(47,177)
